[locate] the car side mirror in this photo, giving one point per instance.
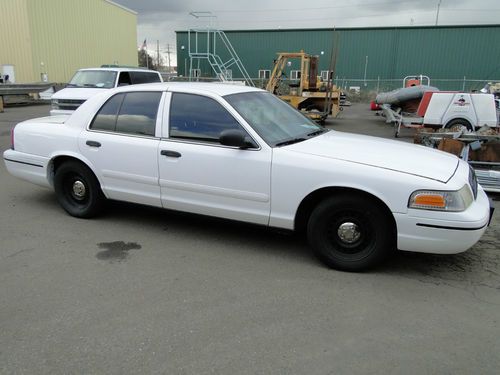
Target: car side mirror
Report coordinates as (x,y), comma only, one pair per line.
(235,138)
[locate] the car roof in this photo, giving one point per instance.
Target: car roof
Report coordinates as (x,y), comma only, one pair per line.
(217,88)
(120,70)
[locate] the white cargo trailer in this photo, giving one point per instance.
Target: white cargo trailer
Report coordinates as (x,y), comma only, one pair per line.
(445,109)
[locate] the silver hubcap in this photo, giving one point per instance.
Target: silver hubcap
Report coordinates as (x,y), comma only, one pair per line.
(79,189)
(349,232)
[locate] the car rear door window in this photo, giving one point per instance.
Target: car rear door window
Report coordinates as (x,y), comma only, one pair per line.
(199,118)
(129,113)
(106,117)
(138,112)
(144,77)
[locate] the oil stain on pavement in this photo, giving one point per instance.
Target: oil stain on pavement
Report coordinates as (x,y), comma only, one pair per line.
(116,251)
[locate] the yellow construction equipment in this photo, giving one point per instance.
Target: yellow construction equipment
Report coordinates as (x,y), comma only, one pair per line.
(307,91)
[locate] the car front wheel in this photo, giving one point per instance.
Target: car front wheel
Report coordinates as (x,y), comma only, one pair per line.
(350,232)
(77,190)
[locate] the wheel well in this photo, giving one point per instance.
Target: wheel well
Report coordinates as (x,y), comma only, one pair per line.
(459,119)
(57,162)
(308,204)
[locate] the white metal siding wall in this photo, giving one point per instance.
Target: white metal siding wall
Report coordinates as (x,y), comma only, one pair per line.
(72,34)
(15,40)
(64,35)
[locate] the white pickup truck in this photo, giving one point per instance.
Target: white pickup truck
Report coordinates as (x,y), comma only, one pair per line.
(88,82)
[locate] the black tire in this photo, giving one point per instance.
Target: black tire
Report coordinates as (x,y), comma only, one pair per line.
(366,230)
(77,190)
(457,123)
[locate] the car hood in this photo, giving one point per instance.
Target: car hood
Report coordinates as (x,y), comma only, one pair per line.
(77,93)
(381,153)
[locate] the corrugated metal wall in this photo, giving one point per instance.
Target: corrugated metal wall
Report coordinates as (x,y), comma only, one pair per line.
(444,52)
(72,34)
(57,37)
(15,39)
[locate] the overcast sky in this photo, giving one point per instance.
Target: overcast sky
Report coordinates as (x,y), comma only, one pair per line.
(159,19)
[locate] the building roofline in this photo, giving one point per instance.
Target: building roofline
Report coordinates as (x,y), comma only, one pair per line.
(121,6)
(357,28)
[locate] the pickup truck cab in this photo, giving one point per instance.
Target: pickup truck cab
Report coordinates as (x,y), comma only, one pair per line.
(88,82)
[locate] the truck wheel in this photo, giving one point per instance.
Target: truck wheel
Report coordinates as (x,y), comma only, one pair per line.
(77,190)
(350,232)
(459,124)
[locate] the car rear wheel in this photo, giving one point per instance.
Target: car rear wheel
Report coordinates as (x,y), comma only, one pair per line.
(350,232)
(77,190)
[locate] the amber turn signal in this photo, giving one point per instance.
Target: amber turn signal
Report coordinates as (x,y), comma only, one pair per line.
(430,200)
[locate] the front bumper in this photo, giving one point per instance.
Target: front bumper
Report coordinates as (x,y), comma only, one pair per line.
(444,232)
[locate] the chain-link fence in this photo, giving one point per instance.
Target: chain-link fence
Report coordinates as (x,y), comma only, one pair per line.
(384,85)
(359,89)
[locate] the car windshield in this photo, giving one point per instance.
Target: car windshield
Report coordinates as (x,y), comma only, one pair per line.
(93,78)
(275,121)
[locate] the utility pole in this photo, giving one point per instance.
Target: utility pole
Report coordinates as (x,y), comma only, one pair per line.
(366,67)
(158,54)
(437,12)
(168,57)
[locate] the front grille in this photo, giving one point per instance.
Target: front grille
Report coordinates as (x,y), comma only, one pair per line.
(489,179)
(71,101)
(69,104)
(473,181)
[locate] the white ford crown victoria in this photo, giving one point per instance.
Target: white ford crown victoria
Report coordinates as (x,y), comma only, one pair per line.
(243,154)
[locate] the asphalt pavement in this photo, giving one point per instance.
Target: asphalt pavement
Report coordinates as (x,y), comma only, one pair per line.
(145,290)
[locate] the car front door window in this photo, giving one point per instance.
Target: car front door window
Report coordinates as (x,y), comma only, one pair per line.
(199,118)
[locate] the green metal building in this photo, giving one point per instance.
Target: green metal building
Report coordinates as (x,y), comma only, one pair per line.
(51,39)
(454,57)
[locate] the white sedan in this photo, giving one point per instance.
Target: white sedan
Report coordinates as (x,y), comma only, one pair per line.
(241,153)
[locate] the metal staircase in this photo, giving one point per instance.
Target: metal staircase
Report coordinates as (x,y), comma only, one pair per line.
(202,45)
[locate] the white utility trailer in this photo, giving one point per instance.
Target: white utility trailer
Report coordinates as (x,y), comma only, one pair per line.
(444,109)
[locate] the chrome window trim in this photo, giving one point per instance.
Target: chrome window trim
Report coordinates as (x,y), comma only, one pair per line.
(124,134)
(201,143)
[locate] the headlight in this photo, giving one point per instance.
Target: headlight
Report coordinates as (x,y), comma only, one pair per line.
(54,103)
(453,201)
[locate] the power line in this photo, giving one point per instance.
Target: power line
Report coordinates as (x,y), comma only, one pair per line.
(311,8)
(342,17)
(358,5)
(318,19)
